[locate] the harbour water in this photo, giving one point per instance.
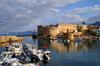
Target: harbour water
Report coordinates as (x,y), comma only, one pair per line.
(67,54)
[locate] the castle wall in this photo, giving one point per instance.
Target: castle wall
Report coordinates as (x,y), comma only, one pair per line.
(57,29)
(47,30)
(71,27)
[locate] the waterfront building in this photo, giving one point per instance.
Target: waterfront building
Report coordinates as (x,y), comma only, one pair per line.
(98,32)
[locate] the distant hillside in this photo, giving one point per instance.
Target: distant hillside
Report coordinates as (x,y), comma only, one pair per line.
(96,23)
(20,33)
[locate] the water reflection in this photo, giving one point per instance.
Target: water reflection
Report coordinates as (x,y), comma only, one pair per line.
(72,53)
(68,54)
(9,43)
(69,47)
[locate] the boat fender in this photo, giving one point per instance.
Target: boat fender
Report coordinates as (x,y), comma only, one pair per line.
(14,50)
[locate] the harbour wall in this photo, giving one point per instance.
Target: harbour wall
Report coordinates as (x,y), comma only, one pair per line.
(9,38)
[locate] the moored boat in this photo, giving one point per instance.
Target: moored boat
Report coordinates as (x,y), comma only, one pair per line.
(16,48)
(77,39)
(16,62)
(38,52)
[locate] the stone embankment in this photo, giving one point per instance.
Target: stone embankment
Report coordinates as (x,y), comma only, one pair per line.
(9,38)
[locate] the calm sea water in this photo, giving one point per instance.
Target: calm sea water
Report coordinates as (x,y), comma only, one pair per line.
(67,54)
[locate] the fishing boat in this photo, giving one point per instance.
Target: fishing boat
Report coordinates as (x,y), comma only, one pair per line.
(42,55)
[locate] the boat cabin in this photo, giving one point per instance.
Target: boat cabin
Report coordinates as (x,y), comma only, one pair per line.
(31,47)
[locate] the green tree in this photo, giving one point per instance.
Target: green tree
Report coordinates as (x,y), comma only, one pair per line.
(88,27)
(83,23)
(79,28)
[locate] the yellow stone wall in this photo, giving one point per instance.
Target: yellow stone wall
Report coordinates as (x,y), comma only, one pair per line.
(7,38)
(54,30)
(68,36)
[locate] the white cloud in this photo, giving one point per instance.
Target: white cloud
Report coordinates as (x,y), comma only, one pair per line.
(69,17)
(83,10)
(76,19)
(22,15)
(73,16)
(93,19)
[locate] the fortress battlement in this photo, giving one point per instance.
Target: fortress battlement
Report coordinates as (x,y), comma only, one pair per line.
(54,30)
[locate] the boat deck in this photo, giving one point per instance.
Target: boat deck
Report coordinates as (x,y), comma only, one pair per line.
(30,55)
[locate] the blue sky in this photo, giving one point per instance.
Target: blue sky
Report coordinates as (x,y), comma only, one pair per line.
(24,15)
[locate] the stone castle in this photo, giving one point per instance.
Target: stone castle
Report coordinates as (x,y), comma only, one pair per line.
(54,30)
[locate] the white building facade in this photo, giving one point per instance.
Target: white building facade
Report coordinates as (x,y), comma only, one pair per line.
(98,32)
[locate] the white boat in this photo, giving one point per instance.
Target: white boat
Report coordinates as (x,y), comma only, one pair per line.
(2,59)
(30,57)
(53,38)
(10,62)
(15,54)
(5,55)
(16,48)
(44,50)
(41,50)
(40,53)
(77,39)
(11,50)
(66,40)
(16,62)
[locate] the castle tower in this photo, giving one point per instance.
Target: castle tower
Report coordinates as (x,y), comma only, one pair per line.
(68,36)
